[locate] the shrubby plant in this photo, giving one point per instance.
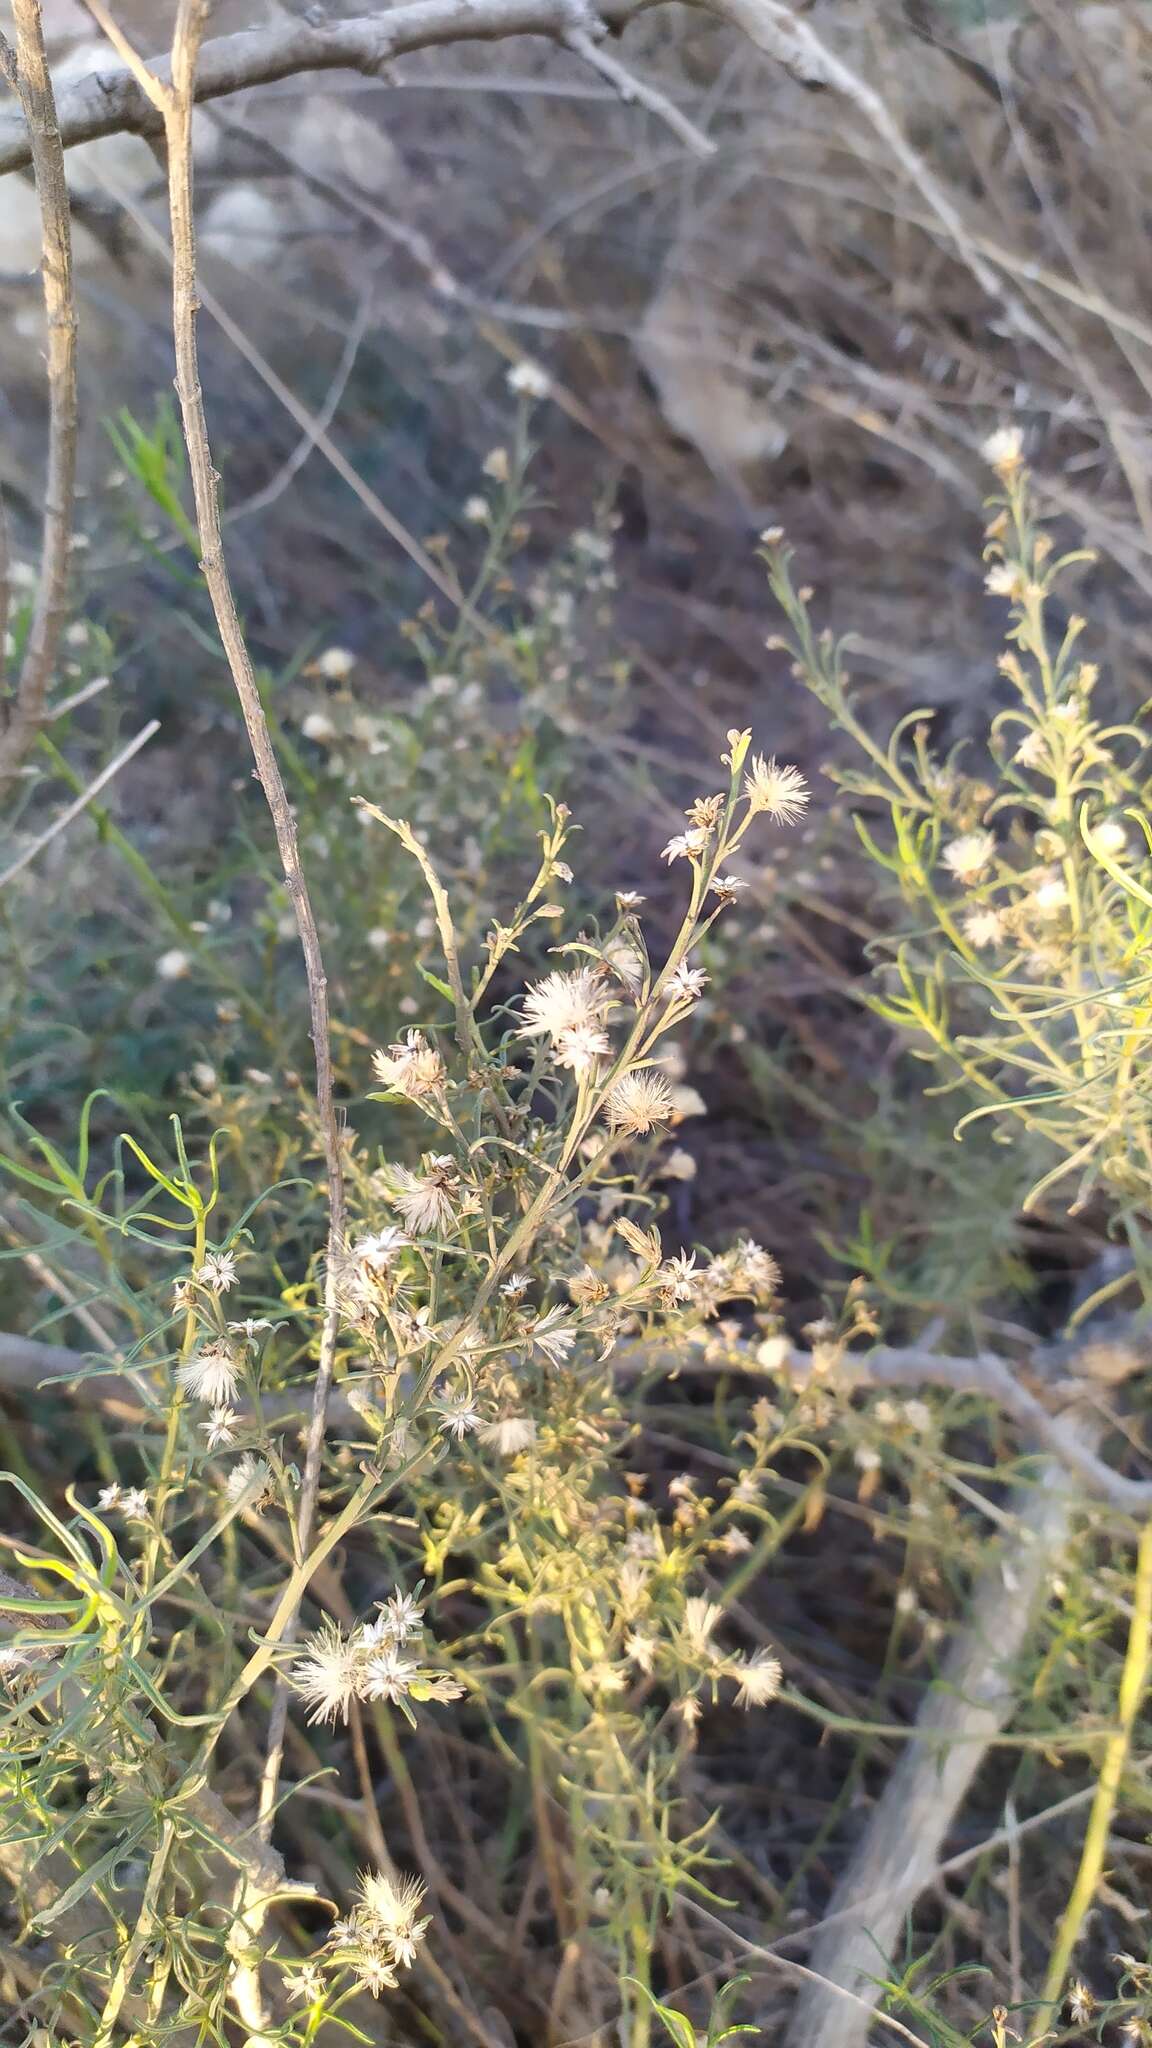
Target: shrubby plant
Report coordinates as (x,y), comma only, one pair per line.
(507,1304)
(469,1514)
(1021,966)
(1018,969)
(162,948)
(490,1294)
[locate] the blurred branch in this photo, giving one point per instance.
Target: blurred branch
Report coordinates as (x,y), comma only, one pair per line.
(114,101)
(321,421)
(29,77)
(992,1379)
(310,423)
(64,705)
(776,29)
(584,43)
(73,810)
(27,1364)
(118,100)
(922,20)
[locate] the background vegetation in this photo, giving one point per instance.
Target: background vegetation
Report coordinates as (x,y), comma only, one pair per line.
(719,1574)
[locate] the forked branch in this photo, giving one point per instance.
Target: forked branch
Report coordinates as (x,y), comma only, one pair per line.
(116,102)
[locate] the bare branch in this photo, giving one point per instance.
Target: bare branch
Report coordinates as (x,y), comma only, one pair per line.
(73,810)
(309,422)
(28,1365)
(33,84)
(149,85)
(785,35)
(83,695)
(178,103)
(25,1364)
(583,43)
(757,1952)
(986,1377)
(799,1937)
(319,424)
(993,1380)
(112,102)
(898,1855)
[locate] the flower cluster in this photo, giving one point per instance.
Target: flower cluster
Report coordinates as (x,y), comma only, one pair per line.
(380,1660)
(382,1933)
(411,1067)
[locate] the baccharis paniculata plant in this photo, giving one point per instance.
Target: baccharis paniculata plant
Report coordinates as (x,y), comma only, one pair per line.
(1025,964)
(500,1290)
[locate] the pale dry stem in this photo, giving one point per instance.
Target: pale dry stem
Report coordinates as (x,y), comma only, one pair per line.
(28,74)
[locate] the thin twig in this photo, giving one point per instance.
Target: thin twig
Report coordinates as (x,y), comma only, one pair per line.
(308,421)
(57,1285)
(836,1992)
(150,85)
(799,1937)
(178,110)
(113,102)
(176,102)
(466,1035)
(317,426)
(78,697)
(73,810)
(33,84)
(633,91)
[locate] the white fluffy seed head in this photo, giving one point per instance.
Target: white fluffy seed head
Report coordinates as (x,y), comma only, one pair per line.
(211,1375)
(638,1102)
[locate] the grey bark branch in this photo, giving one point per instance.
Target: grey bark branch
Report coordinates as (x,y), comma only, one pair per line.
(112,102)
(899,1855)
(983,1376)
(996,1381)
(26,1363)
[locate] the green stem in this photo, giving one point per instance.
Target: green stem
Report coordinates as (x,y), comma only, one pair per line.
(1133,1681)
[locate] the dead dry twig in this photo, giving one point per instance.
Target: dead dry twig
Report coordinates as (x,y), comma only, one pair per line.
(27,72)
(900,1851)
